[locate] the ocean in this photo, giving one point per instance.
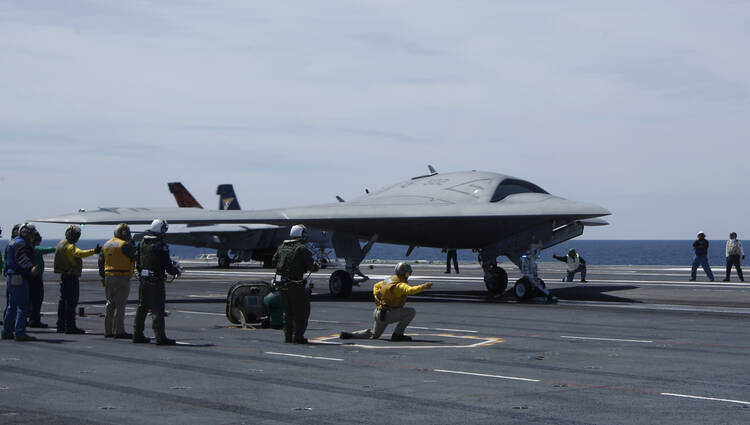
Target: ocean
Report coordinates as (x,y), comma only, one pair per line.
(609,252)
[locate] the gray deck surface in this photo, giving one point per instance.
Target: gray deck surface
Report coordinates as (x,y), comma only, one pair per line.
(636,344)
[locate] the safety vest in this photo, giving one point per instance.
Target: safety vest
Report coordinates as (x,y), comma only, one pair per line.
(63,265)
(149,258)
(733,247)
(574,263)
(292,261)
(387,296)
(116,263)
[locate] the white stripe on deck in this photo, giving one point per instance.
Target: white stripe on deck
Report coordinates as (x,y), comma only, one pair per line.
(643,341)
(485,375)
(200,312)
(696,397)
(333,359)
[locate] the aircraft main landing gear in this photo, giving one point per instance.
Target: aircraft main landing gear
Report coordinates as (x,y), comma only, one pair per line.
(524,290)
(340,284)
(496,280)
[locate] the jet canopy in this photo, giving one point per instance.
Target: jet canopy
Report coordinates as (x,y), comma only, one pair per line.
(512,186)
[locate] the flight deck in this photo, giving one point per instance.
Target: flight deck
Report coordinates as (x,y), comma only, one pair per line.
(636,344)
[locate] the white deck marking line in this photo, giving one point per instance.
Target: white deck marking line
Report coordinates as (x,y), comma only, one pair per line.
(200,312)
(333,359)
(442,329)
(324,321)
(484,375)
(644,341)
(705,398)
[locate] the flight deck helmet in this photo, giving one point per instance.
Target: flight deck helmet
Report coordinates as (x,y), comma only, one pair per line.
(572,251)
(701,235)
(403,270)
(73,233)
(14,232)
(27,231)
(37,238)
(122,231)
(159,226)
(298,231)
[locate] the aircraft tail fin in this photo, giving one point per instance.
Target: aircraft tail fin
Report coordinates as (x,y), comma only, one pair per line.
(227,198)
(182,196)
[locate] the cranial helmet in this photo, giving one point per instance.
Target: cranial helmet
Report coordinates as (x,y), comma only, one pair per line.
(26,231)
(571,251)
(73,233)
(122,231)
(159,226)
(701,233)
(403,269)
(14,232)
(37,238)
(298,231)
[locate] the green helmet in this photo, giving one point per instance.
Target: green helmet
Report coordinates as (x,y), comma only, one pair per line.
(122,231)
(402,269)
(571,251)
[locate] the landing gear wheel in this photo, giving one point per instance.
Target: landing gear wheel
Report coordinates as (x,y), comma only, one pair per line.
(523,289)
(496,280)
(224,262)
(340,284)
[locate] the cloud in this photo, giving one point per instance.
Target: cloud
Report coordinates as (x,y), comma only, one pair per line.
(295,103)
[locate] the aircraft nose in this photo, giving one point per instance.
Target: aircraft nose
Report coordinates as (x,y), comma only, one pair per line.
(583,209)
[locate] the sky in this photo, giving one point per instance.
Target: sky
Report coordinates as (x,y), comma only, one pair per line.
(642,107)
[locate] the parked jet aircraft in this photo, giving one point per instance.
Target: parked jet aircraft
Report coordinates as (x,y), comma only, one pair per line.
(493,213)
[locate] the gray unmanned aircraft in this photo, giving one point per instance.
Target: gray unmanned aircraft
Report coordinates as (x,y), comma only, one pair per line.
(492,213)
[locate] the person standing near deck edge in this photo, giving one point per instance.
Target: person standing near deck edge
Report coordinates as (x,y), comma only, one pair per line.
(701,257)
(734,251)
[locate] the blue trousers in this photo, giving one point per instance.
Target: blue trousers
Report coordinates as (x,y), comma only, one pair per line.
(66,307)
(17,310)
(572,274)
(701,260)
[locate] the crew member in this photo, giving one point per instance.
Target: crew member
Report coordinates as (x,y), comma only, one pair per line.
(153,263)
(13,235)
(2,268)
(36,284)
(69,264)
(700,246)
(118,261)
(575,263)
(20,267)
(292,260)
(734,251)
(451,255)
(390,297)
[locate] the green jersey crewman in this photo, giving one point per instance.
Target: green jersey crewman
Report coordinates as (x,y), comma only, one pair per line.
(292,260)
(153,264)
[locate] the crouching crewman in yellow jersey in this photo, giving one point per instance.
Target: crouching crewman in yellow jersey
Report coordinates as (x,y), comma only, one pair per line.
(390,297)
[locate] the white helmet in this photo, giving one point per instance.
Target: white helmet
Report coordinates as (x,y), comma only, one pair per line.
(159,226)
(298,231)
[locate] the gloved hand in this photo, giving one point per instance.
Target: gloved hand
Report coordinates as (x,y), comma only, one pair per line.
(98,249)
(34,270)
(427,285)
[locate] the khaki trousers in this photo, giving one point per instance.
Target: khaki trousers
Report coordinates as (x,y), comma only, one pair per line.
(402,315)
(116,290)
